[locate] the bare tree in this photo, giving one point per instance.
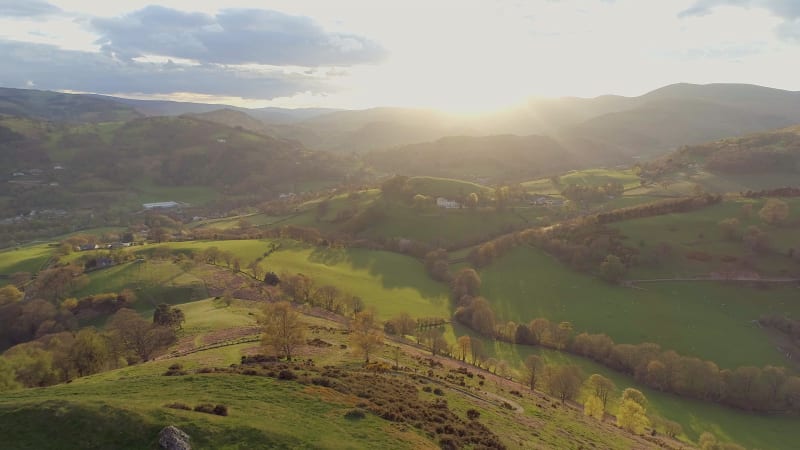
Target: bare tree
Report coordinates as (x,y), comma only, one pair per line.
(282,329)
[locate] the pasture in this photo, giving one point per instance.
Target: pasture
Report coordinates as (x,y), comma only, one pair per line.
(703,319)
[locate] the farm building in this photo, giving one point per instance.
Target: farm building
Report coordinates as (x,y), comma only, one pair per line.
(442,202)
(161,205)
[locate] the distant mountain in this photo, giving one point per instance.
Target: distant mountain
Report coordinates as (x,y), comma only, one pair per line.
(660,125)
(486,159)
(58,107)
(773,152)
(105,160)
(172,108)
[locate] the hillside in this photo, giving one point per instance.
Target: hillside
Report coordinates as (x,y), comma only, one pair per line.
(58,107)
(495,158)
(664,124)
(79,174)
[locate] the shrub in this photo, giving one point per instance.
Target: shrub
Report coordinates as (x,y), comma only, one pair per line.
(438,391)
(355,414)
(221,410)
(473,414)
(175,370)
(178,405)
(287,375)
(207,408)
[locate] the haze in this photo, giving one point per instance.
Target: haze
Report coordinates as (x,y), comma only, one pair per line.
(463,56)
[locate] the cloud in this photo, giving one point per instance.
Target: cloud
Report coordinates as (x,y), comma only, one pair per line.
(787,9)
(232,36)
(50,67)
(27,8)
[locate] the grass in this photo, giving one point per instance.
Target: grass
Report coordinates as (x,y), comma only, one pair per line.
(445,187)
(28,258)
(699,231)
(750,430)
(126,411)
(389,282)
(702,319)
(147,192)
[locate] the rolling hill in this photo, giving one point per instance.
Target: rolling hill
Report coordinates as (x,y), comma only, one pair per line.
(58,107)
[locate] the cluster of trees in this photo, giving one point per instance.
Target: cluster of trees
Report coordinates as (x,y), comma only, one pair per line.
(300,288)
(97,304)
(752,388)
(789,327)
(127,339)
(758,389)
(589,194)
(659,208)
(778,192)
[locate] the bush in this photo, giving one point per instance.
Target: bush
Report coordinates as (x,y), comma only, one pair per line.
(178,405)
(175,370)
(207,408)
(473,414)
(355,414)
(438,391)
(287,375)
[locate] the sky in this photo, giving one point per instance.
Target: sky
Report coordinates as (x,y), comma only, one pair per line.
(455,55)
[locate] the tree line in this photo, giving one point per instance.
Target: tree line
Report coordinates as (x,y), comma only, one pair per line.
(767,389)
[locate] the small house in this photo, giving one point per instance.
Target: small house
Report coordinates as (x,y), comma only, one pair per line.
(442,202)
(161,205)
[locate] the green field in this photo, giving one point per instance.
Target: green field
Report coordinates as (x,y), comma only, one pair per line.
(29,258)
(446,187)
(699,231)
(703,319)
(750,430)
(390,282)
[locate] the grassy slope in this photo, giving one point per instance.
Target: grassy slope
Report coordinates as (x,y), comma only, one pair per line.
(701,319)
(699,231)
(390,282)
(753,431)
(124,408)
(24,259)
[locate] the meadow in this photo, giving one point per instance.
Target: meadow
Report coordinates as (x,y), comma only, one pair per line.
(750,430)
(389,282)
(703,319)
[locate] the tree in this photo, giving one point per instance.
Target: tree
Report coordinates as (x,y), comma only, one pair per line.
(10,294)
(8,381)
(464,346)
(255,269)
(564,382)
(356,304)
(403,324)
(593,407)
(634,395)
(271,278)
(328,295)
(281,328)
(672,429)
(466,282)
(774,212)
(730,229)
(756,240)
(602,387)
(533,367)
(471,201)
(169,316)
(707,441)
(89,352)
(137,336)
(421,202)
(612,269)
(364,335)
(478,352)
(632,416)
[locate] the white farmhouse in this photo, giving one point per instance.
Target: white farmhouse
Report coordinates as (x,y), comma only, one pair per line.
(442,202)
(164,205)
